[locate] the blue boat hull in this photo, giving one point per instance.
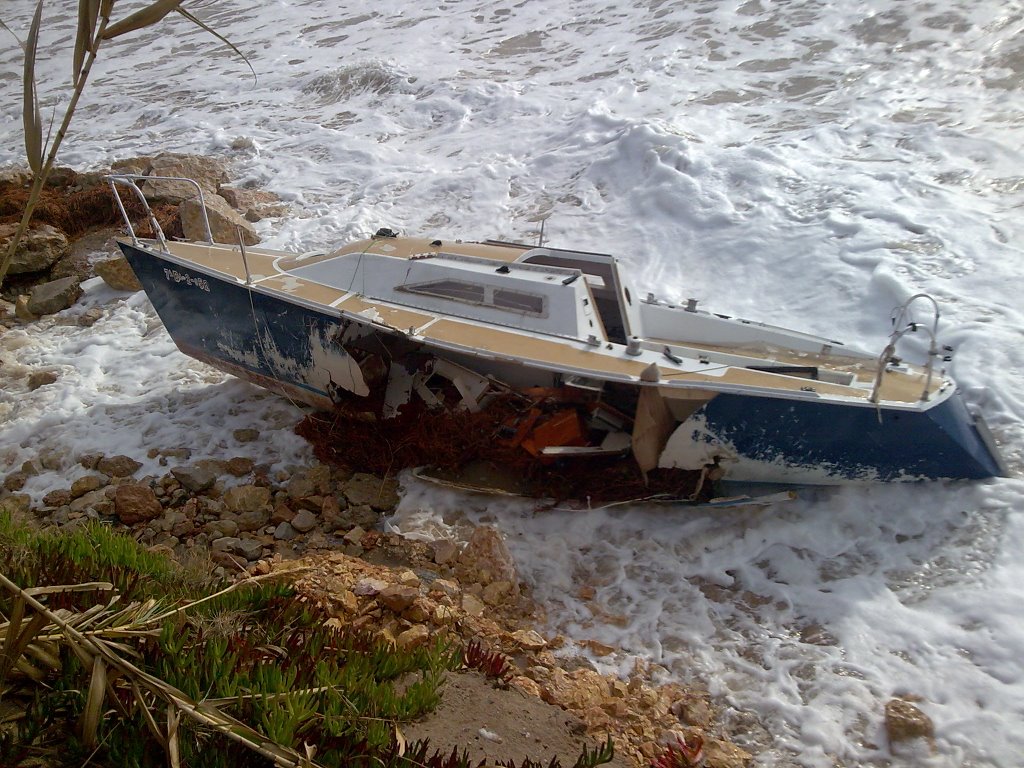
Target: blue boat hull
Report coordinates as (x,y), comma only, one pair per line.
(764,439)
(306,353)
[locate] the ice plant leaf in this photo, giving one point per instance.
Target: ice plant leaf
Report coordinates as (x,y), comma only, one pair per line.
(146,17)
(30,114)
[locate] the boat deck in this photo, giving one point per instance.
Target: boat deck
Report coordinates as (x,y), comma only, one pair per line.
(272,271)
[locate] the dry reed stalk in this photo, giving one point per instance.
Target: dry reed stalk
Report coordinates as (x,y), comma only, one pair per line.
(104,658)
(93,28)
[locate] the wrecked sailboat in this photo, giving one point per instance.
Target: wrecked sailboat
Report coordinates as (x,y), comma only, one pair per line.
(397,320)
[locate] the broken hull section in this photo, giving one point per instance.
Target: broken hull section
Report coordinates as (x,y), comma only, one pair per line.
(316,353)
(762,439)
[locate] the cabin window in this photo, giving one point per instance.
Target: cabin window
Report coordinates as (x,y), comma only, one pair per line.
(451,289)
(518,301)
(484,295)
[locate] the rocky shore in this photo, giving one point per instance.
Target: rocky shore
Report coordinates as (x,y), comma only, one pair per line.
(323,528)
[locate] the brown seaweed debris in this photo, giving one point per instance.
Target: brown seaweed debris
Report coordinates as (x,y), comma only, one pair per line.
(74,211)
(451,440)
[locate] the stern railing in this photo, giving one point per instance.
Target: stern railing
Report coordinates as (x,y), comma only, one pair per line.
(902,324)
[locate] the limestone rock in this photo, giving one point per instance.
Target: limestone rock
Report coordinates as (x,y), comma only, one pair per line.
(285,532)
(723,754)
(194,479)
(21,310)
(254,204)
(90,317)
(47,298)
(376,492)
(253,519)
(444,551)
(239,466)
(132,166)
(413,637)
(15,481)
(41,379)
(247,498)
(117,273)
(355,536)
(118,466)
(221,528)
(246,435)
(348,601)
(40,248)
(397,597)
(905,721)
(136,503)
(304,521)
(87,484)
(208,172)
(473,605)
(445,587)
(496,592)
(16,504)
(486,559)
(529,640)
(225,222)
(335,518)
(369,587)
(57,498)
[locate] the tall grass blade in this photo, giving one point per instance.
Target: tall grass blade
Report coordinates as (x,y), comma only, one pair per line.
(146,17)
(173,749)
(88,15)
(147,715)
(30,114)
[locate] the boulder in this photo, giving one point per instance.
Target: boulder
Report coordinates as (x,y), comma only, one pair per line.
(136,503)
(486,559)
(413,637)
(529,640)
(40,248)
(132,166)
(304,521)
(905,721)
(379,493)
(118,466)
(254,204)
(443,551)
(21,310)
(225,222)
(253,519)
(117,274)
(87,484)
(285,532)
(90,317)
(41,379)
(247,498)
(246,435)
(194,479)
(205,171)
(358,516)
(239,466)
(54,296)
(398,597)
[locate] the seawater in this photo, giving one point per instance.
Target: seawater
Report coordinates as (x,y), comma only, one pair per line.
(802,163)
